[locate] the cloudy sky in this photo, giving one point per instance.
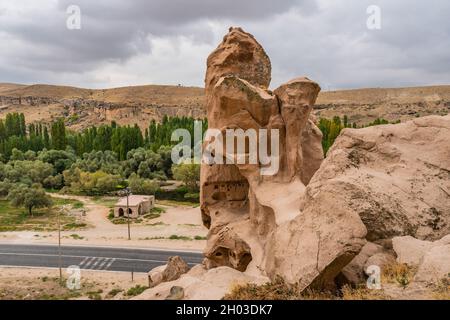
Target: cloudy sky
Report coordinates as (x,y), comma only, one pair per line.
(138,42)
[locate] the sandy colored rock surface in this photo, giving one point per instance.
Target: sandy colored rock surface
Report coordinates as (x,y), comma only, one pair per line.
(435,265)
(432,259)
(254,219)
(210,284)
(410,250)
(395,177)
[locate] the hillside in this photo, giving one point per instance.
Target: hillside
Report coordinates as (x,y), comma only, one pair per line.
(140,104)
(365,105)
(86,107)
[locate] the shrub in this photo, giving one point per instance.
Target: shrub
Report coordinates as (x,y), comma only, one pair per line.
(136,290)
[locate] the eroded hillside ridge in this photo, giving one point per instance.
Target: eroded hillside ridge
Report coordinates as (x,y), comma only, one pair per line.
(128,105)
(84,108)
(365,105)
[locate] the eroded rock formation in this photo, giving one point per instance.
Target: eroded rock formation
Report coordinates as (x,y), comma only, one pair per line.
(303,223)
(252,217)
(314,222)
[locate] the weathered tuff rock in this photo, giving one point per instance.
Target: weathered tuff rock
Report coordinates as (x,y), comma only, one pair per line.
(309,220)
(396,178)
(254,220)
(307,223)
(201,284)
(355,272)
(431,258)
(174,268)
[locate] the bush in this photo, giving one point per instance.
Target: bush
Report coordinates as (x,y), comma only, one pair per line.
(189,173)
(134,291)
(53,182)
(139,185)
(175,195)
(97,183)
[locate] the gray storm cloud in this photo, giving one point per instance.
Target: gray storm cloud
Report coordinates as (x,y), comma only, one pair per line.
(140,42)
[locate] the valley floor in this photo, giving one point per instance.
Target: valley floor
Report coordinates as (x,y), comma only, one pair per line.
(179,227)
(43,284)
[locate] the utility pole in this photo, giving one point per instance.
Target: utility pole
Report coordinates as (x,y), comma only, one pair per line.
(59,244)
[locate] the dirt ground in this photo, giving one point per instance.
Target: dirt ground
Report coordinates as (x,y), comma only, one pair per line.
(182,224)
(44,284)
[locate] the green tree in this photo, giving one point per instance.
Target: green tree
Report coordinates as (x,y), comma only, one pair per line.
(142,186)
(58,132)
(189,173)
(29,197)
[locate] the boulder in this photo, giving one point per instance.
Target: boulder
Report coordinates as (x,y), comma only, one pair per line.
(211,284)
(176,293)
(435,265)
(430,258)
(354,272)
(395,177)
(410,250)
(380,259)
(174,268)
(155,276)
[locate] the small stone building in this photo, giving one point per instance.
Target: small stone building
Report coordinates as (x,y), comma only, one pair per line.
(137,205)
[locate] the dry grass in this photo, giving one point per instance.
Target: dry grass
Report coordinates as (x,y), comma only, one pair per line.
(442,290)
(277,290)
(44,284)
(362,293)
(398,273)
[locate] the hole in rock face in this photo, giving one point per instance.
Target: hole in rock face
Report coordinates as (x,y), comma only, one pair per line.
(219,196)
(218,254)
(244,261)
(206,219)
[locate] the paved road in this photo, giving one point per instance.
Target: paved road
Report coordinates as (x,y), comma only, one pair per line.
(93,258)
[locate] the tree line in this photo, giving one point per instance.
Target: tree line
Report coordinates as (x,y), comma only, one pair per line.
(103,159)
(331,128)
(95,161)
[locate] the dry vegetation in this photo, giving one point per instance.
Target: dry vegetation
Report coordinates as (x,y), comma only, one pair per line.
(398,273)
(278,290)
(44,284)
(395,275)
(442,289)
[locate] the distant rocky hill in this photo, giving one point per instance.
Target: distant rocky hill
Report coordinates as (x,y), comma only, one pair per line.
(85,107)
(140,104)
(365,105)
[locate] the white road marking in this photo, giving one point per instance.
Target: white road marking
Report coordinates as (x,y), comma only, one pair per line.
(83,262)
(71,256)
(96,262)
(89,262)
(109,264)
(103,263)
